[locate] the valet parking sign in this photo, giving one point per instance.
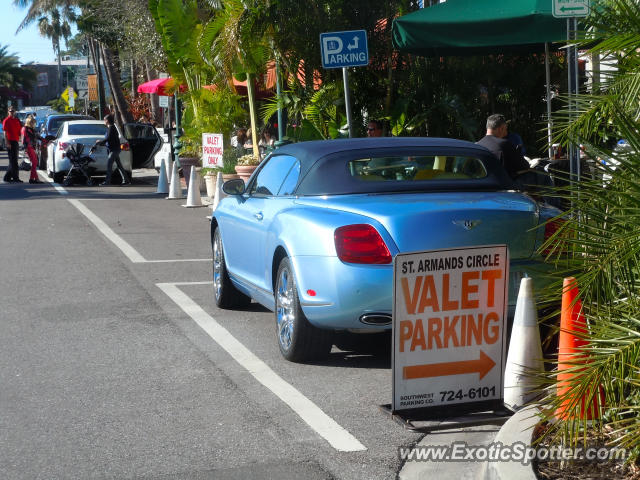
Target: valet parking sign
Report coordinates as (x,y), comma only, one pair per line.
(212,150)
(449,335)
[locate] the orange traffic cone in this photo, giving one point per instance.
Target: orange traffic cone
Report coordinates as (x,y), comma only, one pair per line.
(573,329)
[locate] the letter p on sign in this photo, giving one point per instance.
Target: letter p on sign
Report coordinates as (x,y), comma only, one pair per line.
(331,45)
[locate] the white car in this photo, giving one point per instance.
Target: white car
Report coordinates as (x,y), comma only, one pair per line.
(85,132)
(163,154)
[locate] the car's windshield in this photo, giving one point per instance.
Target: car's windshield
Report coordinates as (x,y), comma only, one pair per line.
(22,116)
(416,168)
(54,123)
(87,129)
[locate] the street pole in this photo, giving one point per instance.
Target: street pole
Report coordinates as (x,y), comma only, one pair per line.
(347,100)
(548,78)
(177,145)
(573,153)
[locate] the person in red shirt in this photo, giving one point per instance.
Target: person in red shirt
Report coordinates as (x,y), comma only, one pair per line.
(12,127)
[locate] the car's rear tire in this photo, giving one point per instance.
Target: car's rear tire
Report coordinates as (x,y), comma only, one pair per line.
(58,177)
(299,341)
(226,295)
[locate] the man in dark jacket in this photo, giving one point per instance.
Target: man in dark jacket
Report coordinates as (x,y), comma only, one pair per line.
(512,160)
(112,141)
(495,141)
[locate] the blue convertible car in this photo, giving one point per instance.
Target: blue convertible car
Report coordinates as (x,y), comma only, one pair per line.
(313,234)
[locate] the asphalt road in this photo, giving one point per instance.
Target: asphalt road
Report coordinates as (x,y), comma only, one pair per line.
(114,361)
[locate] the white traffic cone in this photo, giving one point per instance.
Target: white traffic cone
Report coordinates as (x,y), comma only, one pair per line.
(219,195)
(175,190)
(163,184)
(193,192)
(525,350)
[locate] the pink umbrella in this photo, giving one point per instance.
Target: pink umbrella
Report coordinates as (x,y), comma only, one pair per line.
(160,86)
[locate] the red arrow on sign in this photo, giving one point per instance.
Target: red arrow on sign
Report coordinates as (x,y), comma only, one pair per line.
(483,366)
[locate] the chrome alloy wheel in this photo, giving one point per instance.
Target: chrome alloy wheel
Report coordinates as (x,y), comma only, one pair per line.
(217,264)
(285,312)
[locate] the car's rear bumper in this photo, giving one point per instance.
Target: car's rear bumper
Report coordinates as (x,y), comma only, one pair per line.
(342,292)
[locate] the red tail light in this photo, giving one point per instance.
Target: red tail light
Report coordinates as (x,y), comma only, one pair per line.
(63,146)
(550,228)
(124,147)
(361,244)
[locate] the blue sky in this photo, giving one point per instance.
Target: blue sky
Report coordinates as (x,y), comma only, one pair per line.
(28,44)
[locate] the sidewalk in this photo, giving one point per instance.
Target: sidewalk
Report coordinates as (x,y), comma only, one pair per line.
(458,470)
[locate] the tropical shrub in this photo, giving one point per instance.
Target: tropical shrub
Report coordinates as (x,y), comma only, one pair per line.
(600,238)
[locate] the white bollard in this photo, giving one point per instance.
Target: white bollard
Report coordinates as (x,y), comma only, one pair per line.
(525,350)
(175,190)
(219,195)
(163,183)
(193,192)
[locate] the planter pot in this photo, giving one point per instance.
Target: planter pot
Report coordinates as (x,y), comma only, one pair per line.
(245,171)
(210,185)
(186,163)
(229,176)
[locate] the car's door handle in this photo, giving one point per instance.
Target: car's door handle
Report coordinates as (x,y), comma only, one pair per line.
(258,215)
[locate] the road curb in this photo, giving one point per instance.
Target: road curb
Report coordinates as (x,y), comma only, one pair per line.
(518,429)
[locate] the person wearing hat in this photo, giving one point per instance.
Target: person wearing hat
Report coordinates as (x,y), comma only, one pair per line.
(29,138)
(12,126)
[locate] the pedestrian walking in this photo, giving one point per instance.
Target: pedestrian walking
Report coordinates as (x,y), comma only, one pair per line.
(12,126)
(112,141)
(29,140)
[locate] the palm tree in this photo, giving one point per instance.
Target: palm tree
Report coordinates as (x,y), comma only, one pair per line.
(53,17)
(236,43)
(600,238)
(12,75)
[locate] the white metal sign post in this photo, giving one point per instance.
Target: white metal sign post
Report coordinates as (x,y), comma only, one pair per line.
(449,330)
(571,10)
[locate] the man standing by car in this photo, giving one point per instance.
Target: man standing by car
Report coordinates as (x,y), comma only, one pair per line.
(495,141)
(374,129)
(512,160)
(12,126)
(112,141)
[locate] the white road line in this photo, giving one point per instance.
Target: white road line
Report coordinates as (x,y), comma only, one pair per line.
(338,437)
(131,253)
(46,178)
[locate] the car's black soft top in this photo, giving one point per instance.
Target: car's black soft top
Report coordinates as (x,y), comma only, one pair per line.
(323,164)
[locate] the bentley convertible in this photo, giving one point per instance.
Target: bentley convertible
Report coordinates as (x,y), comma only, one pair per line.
(313,233)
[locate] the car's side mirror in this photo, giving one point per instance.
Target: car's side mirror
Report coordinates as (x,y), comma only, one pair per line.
(233,187)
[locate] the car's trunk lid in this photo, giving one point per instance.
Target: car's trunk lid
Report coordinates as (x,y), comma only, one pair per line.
(427,221)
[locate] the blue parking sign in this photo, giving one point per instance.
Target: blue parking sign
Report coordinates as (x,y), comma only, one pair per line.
(344,49)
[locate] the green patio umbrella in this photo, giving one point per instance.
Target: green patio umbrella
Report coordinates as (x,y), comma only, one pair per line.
(480,27)
(474,27)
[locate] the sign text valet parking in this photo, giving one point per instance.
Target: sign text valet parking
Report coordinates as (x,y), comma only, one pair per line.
(449,335)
